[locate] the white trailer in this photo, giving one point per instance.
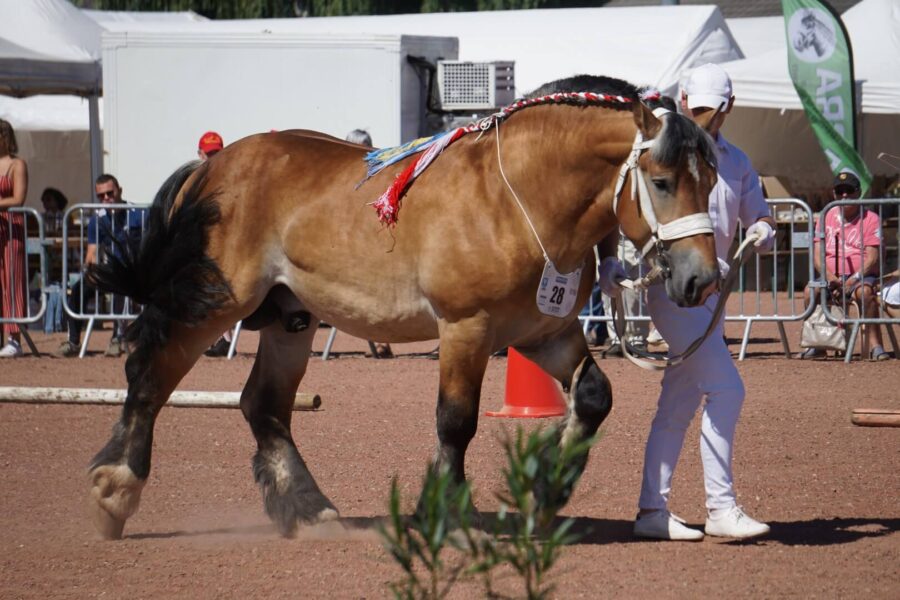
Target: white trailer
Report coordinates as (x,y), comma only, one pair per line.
(163,90)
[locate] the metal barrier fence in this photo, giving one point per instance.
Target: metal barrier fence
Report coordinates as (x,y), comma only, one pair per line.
(15,223)
(771,285)
(768,270)
(99,229)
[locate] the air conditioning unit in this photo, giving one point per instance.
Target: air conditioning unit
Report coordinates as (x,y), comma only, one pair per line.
(475,85)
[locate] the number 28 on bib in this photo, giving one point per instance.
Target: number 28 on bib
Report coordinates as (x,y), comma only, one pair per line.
(557,292)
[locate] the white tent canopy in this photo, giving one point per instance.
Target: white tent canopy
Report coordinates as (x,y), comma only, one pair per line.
(52,27)
(757,35)
(769,122)
(111,19)
(25,72)
(51,47)
(48,47)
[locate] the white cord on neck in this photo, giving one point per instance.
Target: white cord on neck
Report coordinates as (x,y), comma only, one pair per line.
(516,196)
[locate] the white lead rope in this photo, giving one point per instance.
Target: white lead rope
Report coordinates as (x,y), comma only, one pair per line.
(516,197)
(657,362)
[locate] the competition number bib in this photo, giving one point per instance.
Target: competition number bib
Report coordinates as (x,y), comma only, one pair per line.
(557,293)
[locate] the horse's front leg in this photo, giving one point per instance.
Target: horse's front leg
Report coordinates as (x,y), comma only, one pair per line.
(588,392)
(465,350)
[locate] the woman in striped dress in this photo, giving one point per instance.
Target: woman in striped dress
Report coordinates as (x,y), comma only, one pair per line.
(13,188)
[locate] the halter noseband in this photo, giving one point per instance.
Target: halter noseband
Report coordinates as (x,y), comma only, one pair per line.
(681,227)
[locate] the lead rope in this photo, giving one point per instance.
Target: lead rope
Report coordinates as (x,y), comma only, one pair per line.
(657,362)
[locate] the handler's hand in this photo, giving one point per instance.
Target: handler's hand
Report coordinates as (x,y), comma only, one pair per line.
(766,235)
(608,276)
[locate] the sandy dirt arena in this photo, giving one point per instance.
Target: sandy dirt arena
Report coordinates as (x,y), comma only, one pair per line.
(829,489)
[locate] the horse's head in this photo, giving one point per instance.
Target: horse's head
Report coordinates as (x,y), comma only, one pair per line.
(672,169)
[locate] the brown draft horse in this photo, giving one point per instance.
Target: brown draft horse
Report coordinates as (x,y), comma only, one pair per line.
(275,231)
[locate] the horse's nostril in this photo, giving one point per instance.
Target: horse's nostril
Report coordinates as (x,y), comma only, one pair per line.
(691,289)
(698,287)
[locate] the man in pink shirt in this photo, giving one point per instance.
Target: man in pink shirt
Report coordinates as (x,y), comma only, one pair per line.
(852,255)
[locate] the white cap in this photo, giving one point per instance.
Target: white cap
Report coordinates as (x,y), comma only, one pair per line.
(708,86)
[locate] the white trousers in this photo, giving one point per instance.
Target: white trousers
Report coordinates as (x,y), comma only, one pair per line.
(709,372)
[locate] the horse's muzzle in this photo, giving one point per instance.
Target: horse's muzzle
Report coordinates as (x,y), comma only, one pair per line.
(689,282)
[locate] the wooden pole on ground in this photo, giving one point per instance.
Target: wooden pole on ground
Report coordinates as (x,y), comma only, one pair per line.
(875,417)
(49,395)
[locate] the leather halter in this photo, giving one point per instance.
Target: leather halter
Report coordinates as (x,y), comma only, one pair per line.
(681,227)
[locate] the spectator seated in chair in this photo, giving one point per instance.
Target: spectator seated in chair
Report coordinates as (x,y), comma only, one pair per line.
(852,256)
(109,232)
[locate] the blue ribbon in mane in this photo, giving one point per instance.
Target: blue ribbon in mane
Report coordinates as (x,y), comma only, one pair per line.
(381,158)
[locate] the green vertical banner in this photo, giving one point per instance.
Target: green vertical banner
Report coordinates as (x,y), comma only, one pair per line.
(820,60)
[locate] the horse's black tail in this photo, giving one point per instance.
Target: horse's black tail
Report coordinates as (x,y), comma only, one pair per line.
(171,275)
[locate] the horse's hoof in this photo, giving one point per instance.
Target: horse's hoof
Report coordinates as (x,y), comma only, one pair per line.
(288,524)
(115,496)
(108,526)
(326,515)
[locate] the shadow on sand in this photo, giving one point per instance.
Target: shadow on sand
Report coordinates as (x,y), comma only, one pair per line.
(817,532)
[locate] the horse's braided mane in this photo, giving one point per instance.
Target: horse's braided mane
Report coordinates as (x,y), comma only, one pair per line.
(680,136)
(606,87)
(581,90)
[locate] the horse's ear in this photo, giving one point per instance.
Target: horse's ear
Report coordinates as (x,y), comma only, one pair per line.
(646,121)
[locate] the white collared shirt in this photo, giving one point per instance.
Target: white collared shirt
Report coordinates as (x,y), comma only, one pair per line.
(737,195)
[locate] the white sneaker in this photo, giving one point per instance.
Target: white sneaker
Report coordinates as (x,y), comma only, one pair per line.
(12,349)
(663,525)
(735,524)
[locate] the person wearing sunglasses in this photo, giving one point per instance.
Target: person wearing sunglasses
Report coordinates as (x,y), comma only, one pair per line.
(852,259)
(111,231)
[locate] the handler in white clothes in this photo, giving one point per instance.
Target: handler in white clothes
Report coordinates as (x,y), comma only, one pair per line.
(710,372)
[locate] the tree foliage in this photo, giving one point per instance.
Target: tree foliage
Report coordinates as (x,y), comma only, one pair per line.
(263,9)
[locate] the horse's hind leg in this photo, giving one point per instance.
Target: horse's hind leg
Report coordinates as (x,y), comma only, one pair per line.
(119,471)
(290,493)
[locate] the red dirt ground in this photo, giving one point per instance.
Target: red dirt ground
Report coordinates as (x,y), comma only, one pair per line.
(829,489)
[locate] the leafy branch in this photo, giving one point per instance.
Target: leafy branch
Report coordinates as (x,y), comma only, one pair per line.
(540,477)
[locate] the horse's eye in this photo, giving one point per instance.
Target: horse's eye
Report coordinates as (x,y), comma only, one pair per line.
(662,184)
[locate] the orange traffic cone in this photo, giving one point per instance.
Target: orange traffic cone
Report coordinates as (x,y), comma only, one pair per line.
(530,392)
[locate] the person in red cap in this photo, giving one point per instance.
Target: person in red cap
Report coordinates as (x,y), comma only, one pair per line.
(210,143)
